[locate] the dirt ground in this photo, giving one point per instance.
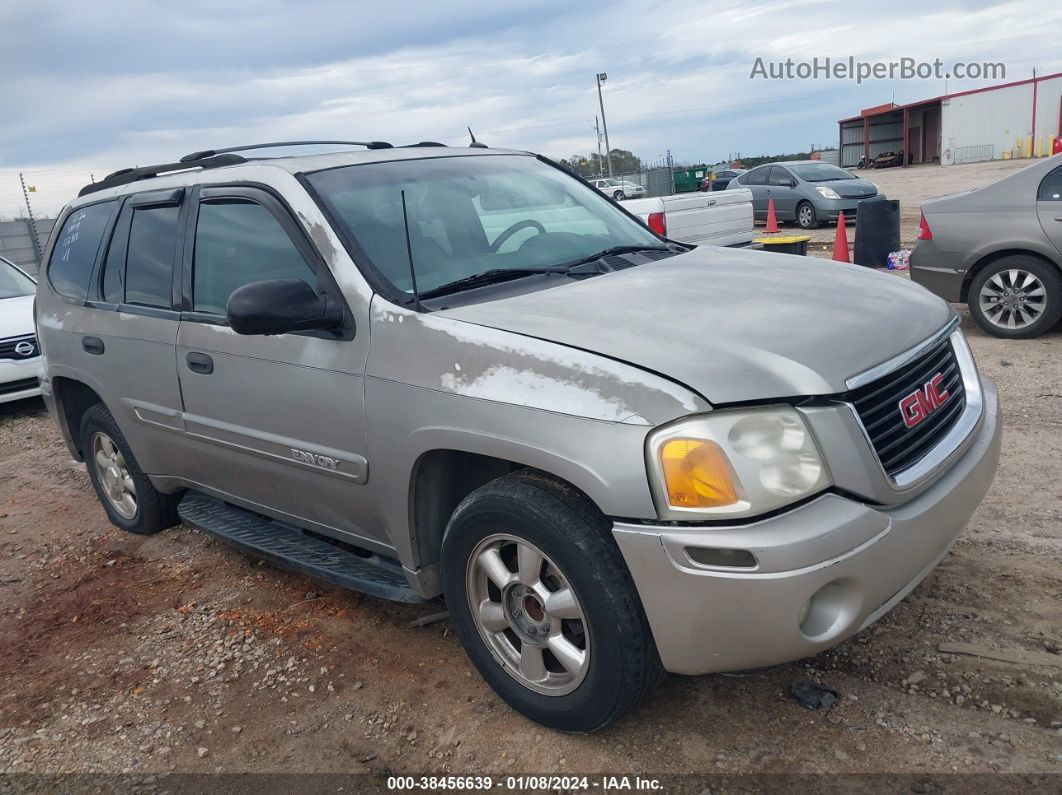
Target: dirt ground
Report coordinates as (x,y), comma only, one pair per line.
(177,653)
(913,185)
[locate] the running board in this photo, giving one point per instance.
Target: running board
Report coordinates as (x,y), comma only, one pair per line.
(291,548)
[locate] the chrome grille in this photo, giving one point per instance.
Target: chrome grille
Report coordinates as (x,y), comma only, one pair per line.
(878,406)
(9,344)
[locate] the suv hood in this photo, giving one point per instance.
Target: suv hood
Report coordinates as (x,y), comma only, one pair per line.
(16,316)
(731,325)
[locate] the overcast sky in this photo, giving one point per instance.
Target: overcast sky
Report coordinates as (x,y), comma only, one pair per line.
(92,87)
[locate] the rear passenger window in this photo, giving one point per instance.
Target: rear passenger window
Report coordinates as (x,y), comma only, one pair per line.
(1051,187)
(756,177)
(75,249)
(139,264)
(237,242)
(149,262)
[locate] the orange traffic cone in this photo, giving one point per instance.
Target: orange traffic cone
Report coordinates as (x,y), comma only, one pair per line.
(772,222)
(840,241)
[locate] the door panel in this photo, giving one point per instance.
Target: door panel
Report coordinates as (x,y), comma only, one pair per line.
(136,376)
(278,421)
(1050,214)
(785,197)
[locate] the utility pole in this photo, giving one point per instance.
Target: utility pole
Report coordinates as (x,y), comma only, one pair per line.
(32,223)
(600,163)
(601,78)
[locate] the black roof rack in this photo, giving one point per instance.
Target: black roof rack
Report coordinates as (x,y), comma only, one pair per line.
(126,175)
(212,152)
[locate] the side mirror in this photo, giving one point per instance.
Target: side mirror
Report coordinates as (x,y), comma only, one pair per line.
(279,306)
(789,182)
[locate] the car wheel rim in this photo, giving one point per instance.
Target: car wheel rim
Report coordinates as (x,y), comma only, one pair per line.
(805,216)
(1013,299)
(115,480)
(528,614)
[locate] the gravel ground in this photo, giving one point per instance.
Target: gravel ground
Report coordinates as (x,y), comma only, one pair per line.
(176,653)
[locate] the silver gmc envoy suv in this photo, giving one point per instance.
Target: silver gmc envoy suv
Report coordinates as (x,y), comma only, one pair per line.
(420,371)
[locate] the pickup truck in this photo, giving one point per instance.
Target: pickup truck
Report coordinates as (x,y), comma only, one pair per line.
(722,218)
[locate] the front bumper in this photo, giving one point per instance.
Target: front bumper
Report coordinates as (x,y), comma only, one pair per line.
(857,560)
(20,379)
(829,209)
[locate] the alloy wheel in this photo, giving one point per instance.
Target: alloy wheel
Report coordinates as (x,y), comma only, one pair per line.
(807,216)
(1013,299)
(113,472)
(528,614)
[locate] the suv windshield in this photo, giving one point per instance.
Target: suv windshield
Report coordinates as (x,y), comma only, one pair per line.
(472,214)
(14,283)
(818,172)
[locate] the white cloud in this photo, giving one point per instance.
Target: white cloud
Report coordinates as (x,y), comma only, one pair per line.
(94,99)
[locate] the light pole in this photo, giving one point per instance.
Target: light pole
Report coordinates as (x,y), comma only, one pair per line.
(600,165)
(601,78)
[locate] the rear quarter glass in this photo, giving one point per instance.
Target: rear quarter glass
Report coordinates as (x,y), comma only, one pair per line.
(70,266)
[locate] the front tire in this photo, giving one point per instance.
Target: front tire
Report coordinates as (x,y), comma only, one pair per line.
(544,604)
(806,216)
(619,195)
(1016,297)
(127,495)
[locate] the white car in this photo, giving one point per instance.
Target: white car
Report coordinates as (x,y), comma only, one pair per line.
(618,189)
(20,354)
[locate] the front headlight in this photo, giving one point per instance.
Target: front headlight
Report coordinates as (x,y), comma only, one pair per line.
(734,463)
(828,193)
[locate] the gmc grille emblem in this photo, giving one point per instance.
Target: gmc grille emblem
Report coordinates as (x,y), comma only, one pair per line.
(922,402)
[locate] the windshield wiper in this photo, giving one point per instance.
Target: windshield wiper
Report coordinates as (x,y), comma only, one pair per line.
(499,275)
(568,267)
(493,276)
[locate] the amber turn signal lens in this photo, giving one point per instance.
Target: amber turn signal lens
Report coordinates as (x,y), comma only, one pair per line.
(697,474)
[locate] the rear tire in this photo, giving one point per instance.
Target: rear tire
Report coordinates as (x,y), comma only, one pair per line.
(806,216)
(1016,297)
(528,528)
(619,195)
(127,495)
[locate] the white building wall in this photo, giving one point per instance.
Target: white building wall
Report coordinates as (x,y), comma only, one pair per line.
(1000,117)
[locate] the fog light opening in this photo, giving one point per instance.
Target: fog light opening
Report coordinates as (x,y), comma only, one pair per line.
(726,558)
(822,612)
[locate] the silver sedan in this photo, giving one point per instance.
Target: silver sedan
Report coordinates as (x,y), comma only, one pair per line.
(999,249)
